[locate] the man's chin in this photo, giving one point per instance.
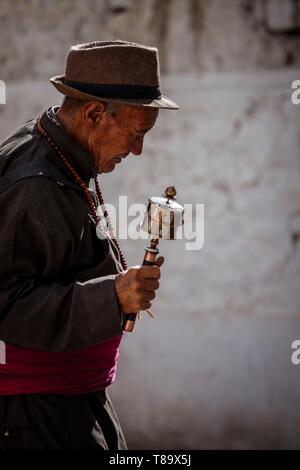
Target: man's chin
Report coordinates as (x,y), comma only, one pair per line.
(109,165)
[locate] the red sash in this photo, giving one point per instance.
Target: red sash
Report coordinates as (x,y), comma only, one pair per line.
(70,373)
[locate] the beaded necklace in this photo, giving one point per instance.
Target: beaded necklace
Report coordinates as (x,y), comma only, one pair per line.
(86,190)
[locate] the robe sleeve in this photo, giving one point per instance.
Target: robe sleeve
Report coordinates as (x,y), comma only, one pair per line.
(38,309)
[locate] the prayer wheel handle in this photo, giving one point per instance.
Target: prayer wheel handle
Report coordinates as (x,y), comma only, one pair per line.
(149,260)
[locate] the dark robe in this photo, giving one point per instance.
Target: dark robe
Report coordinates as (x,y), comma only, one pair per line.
(57,290)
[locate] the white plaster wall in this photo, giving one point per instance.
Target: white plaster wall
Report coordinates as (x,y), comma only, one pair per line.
(213,369)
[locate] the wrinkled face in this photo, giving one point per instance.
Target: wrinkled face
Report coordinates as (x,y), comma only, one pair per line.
(116,135)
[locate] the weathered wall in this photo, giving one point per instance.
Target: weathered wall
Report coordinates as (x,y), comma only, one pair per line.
(213,369)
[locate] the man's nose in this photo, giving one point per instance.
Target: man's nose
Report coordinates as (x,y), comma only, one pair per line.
(137,145)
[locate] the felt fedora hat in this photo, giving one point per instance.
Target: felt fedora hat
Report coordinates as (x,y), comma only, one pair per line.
(118,71)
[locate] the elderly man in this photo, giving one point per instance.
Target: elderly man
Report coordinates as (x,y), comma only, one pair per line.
(65,290)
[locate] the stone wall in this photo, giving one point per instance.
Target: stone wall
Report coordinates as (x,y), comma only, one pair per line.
(192,35)
(213,369)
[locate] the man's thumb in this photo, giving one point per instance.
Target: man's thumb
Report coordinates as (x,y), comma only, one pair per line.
(159,261)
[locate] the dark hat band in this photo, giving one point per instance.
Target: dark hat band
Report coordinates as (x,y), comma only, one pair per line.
(136,92)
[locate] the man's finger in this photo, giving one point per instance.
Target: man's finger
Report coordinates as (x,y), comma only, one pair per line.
(150,284)
(150,272)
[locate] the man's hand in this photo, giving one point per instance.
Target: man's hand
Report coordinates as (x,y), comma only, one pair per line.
(136,286)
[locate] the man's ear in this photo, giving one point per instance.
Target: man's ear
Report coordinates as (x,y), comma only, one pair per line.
(93,112)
